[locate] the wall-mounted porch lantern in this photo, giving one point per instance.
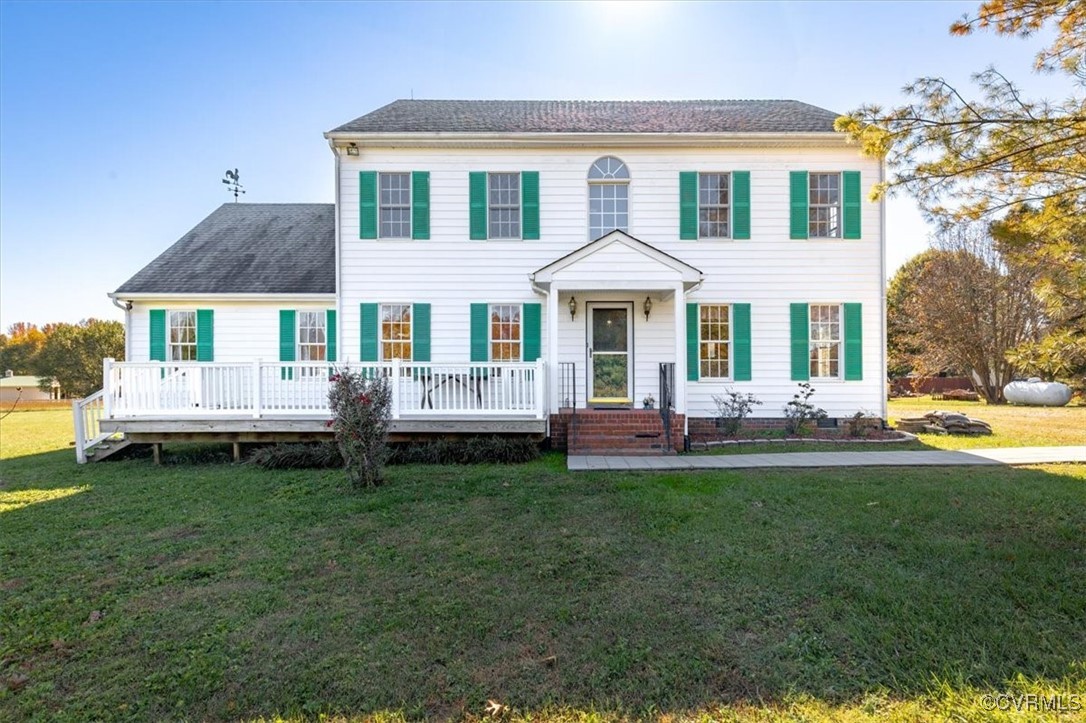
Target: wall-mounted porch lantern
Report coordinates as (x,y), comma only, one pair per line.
(352,149)
(647,307)
(572,307)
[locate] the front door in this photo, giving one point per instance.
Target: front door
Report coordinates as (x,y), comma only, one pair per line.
(610,342)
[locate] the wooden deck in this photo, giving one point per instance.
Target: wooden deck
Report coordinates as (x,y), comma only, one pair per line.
(287,429)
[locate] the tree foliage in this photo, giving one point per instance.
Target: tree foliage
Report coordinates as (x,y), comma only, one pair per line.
(963,158)
(1053,246)
(969,307)
(19,347)
(72,354)
(1015,162)
(901,340)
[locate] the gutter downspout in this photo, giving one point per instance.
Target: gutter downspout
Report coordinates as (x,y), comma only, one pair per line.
(882,291)
(551,362)
(126,307)
(686,411)
(339,269)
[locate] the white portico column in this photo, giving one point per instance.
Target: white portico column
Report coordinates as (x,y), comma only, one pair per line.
(552,349)
(680,350)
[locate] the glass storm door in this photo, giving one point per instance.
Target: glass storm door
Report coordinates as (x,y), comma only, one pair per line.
(609,345)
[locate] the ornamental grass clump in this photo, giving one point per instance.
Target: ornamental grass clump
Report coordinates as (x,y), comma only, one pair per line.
(360,420)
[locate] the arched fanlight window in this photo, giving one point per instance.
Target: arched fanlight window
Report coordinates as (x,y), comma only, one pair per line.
(608,197)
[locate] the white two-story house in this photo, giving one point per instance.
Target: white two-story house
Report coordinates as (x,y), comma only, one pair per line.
(529,267)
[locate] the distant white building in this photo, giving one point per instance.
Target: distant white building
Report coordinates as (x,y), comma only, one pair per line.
(25,388)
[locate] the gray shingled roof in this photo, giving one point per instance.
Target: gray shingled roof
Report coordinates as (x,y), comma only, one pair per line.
(584,116)
(248,248)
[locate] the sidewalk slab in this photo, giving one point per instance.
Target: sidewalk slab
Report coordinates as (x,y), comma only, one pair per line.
(926,458)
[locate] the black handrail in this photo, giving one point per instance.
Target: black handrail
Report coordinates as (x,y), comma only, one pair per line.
(567,377)
(667,388)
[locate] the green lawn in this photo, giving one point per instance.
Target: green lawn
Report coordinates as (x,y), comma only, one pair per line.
(129,591)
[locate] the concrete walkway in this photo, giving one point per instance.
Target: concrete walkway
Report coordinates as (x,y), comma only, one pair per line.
(992,456)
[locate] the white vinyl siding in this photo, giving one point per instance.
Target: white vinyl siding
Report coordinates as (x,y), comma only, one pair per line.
(453,272)
(244,330)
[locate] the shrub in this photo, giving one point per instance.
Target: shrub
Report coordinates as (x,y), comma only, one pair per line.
(323,455)
(469,450)
(862,423)
(799,412)
(732,408)
(360,420)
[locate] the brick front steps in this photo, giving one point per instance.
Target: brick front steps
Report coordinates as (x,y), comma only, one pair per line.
(615,431)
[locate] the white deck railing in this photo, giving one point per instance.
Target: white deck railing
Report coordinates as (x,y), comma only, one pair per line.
(86,414)
(259,389)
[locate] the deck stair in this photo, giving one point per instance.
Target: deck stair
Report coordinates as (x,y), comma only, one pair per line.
(106,448)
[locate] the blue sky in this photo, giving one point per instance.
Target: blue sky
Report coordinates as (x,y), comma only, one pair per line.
(117,120)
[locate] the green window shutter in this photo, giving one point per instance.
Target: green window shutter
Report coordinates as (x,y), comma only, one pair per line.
(688,205)
(480,339)
(420,205)
(477,205)
(850,183)
(330,335)
(532,332)
(693,369)
(529,199)
(799,220)
(801,352)
(157,319)
(367,204)
(741,342)
(367,328)
(286,341)
(741,205)
(420,332)
(854,342)
(205,335)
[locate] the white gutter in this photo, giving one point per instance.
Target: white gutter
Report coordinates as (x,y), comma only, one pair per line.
(220,297)
(618,140)
(125,306)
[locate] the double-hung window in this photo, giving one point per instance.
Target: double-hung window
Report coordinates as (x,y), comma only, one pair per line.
(395,205)
(503,193)
(825,344)
(312,339)
(395,339)
(824,209)
(713,205)
(182,336)
(505,332)
(608,197)
(714,341)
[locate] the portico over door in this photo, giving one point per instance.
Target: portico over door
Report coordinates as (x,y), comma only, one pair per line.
(610,352)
